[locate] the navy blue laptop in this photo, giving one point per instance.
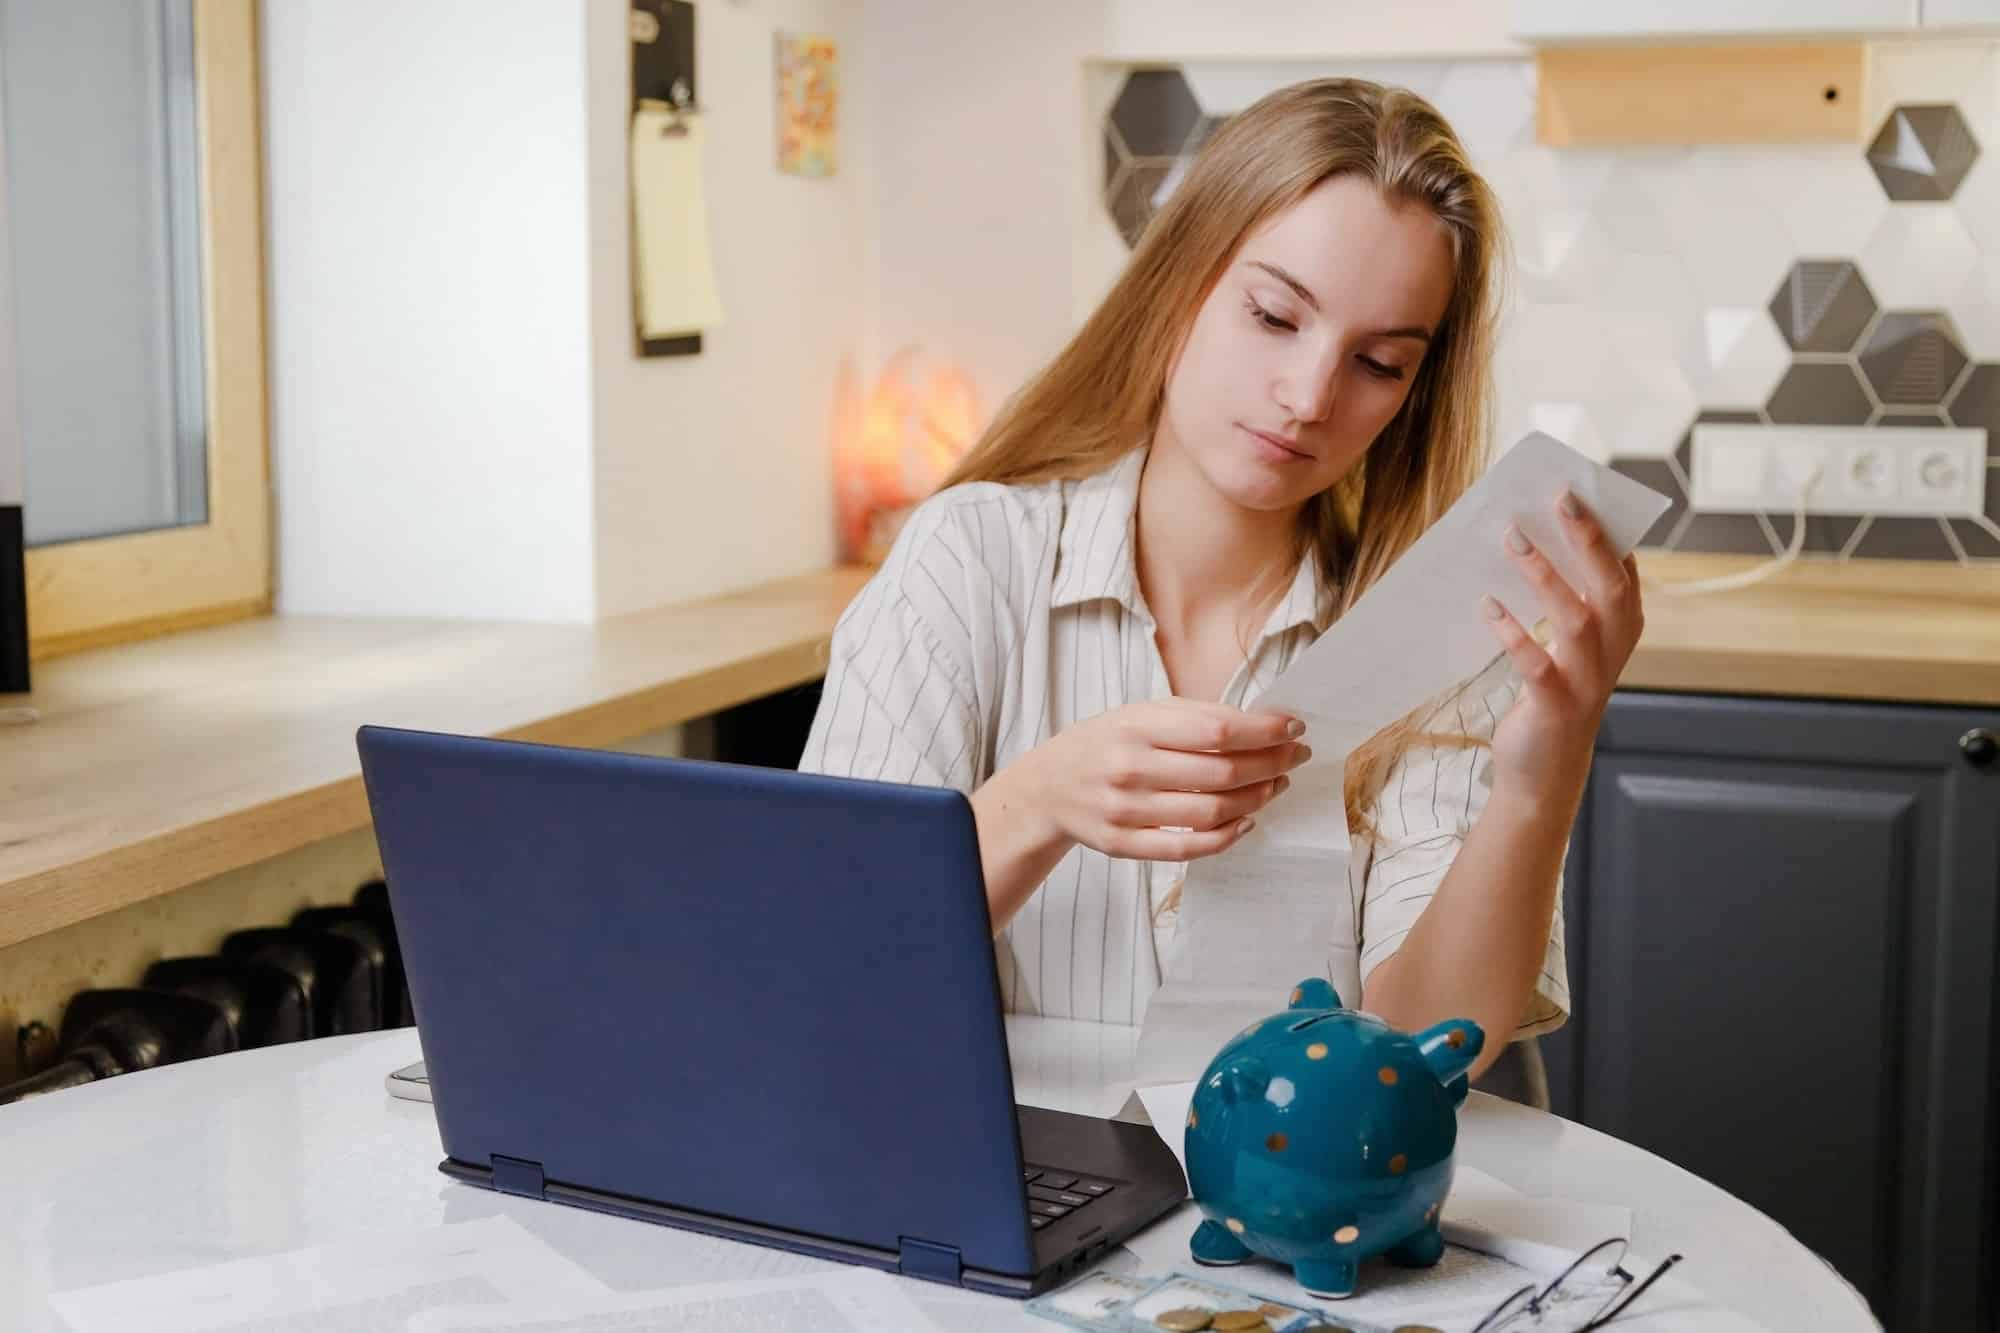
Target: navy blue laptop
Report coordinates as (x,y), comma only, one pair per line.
(745,1001)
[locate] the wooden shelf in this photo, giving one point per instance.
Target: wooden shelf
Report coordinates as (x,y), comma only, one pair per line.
(157,765)
(1700,92)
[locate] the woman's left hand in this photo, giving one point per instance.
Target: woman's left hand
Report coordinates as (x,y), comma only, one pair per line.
(1542,748)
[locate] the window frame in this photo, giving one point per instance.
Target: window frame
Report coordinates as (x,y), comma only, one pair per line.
(100,590)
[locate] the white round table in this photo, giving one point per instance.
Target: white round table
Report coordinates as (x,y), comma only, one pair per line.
(293,1146)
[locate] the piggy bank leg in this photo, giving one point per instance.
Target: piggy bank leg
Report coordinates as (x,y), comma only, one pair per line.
(1212,1244)
(1419,1250)
(1326,1277)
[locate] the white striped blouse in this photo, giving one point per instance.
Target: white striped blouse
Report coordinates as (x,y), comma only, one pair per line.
(1004,614)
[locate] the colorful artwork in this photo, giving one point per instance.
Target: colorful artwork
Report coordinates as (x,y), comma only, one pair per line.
(808,104)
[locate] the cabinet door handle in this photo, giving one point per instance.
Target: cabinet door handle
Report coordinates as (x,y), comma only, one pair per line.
(1980,746)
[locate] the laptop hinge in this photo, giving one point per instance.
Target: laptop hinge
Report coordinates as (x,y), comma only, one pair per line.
(512,1175)
(938,1263)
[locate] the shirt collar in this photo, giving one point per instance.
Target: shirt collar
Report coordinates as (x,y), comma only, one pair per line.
(1094,552)
(1311,600)
(1095,560)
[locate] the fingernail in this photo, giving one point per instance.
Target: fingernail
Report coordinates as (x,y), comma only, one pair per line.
(1282,783)
(1570,505)
(1491,606)
(1295,728)
(1517,541)
(1246,826)
(1305,753)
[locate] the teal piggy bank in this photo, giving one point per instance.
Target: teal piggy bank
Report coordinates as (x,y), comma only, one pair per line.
(1320,1137)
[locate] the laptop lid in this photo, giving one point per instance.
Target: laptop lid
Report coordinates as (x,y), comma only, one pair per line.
(750,993)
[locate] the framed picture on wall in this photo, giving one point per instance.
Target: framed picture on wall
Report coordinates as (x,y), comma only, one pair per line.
(808,104)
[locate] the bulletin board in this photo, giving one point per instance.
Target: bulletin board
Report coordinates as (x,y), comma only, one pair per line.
(662,42)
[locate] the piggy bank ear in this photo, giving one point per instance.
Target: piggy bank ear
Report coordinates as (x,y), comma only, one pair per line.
(1315,993)
(1243,1079)
(1449,1048)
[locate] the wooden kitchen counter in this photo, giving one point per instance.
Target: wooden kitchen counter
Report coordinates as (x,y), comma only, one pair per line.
(1902,632)
(161,764)
(156,765)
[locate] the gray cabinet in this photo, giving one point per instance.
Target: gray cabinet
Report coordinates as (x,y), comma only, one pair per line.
(1782,937)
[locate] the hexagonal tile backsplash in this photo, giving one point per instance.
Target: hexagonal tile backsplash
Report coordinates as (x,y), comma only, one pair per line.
(1657,288)
(1922,152)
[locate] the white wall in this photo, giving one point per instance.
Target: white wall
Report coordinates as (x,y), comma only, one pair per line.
(460,426)
(430,305)
(976,124)
(1288,29)
(712,471)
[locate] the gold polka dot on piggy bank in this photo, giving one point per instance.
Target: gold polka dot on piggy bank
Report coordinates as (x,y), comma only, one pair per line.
(1235,1226)
(1347,1235)
(1398,1164)
(1316,1051)
(1298,995)
(1387,1075)
(1276,1143)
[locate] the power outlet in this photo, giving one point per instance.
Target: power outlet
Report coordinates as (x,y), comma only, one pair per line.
(1913,470)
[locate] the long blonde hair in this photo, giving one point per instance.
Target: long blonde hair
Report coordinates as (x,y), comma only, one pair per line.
(1101,396)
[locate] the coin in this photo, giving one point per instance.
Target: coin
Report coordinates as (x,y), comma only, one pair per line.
(1187,1319)
(1238,1321)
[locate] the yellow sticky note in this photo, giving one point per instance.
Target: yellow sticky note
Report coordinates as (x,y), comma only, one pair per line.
(676,282)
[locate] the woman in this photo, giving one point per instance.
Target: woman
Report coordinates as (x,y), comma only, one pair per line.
(1287,385)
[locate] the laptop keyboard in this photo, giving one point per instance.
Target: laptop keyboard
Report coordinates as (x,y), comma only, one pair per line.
(1054,1193)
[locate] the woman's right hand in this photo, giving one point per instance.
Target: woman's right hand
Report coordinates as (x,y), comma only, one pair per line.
(1166,780)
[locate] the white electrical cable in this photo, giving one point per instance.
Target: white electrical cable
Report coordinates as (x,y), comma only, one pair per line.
(1758,573)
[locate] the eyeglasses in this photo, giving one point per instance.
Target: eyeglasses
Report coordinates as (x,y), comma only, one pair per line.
(1595,1289)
